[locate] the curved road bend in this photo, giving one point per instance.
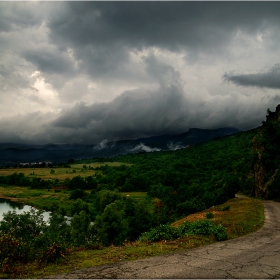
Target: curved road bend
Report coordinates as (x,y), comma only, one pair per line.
(253,256)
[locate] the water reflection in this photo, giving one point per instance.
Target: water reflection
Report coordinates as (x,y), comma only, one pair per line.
(6,205)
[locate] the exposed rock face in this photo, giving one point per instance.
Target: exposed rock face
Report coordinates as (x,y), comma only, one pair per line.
(266,155)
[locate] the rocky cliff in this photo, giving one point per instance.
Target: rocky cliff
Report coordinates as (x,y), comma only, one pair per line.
(266,157)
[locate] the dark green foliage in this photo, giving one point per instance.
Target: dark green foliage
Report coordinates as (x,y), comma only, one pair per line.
(226,208)
(90,183)
(77,183)
(111,225)
(78,193)
(106,197)
(187,180)
(23,225)
(139,217)
(202,227)
(189,207)
(38,183)
(15,179)
(209,215)
(26,237)
(162,232)
(78,206)
(80,228)
(58,229)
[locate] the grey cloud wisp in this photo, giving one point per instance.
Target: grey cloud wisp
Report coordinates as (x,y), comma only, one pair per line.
(268,79)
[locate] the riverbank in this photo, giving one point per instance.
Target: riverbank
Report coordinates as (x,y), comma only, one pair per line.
(43,199)
(13,199)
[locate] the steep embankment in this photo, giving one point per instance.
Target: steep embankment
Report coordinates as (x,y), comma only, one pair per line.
(266,157)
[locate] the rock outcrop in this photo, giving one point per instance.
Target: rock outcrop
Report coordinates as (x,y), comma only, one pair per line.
(266,157)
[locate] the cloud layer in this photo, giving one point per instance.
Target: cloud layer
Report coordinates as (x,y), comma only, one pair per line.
(268,79)
(84,72)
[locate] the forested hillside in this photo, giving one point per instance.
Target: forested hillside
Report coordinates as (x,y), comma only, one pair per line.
(126,196)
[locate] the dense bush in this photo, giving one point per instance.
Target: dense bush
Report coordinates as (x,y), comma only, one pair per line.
(201,227)
(162,232)
(27,237)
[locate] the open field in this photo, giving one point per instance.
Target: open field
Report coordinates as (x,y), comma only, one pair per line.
(60,173)
(245,215)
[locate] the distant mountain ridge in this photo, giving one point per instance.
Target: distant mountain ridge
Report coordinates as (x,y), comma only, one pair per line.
(12,153)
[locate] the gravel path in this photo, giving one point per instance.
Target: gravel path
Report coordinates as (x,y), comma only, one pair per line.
(253,256)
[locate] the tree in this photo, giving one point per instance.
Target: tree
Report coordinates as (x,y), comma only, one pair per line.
(91,183)
(111,225)
(78,206)
(141,221)
(78,193)
(106,197)
(77,183)
(80,226)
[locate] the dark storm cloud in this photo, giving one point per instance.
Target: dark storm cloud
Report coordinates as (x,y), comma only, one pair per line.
(134,113)
(171,25)
(269,79)
(49,61)
(101,34)
(131,115)
(137,114)
(86,52)
(21,14)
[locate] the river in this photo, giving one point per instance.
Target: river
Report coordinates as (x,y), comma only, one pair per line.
(6,205)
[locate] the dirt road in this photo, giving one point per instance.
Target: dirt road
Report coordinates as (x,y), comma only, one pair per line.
(254,256)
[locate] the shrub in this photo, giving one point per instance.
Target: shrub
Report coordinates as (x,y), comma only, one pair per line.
(202,227)
(26,237)
(220,233)
(162,232)
(225,208)
(47,250)
(209,215)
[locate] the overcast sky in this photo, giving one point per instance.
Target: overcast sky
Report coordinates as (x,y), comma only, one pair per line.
(84,72)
